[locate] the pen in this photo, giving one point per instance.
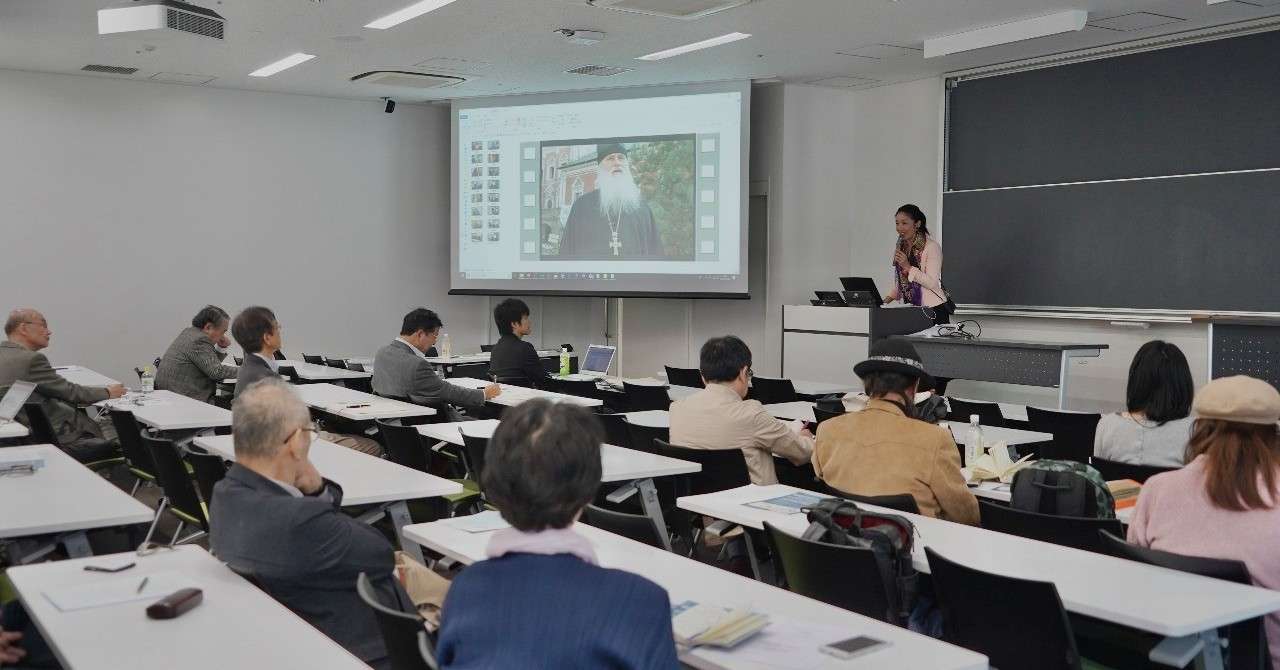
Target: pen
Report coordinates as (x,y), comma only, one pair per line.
(357,406)
(143,585)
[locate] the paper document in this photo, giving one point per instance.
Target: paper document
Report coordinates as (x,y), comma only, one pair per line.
(783,645)
(118,590)
(483,522)
(695,624)
(792,503)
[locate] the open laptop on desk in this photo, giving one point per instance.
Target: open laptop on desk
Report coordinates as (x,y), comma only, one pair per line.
(595,365)
(13,400)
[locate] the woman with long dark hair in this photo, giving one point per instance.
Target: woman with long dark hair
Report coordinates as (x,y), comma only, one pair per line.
(1157,424)
(917,265)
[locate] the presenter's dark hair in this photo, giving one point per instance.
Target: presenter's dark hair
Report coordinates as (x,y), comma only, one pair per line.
(507,312)
(210,315)
(542,465)
(420,318)
(1160,384)
(251,325)
(881,384)
(915,214)
(722,358)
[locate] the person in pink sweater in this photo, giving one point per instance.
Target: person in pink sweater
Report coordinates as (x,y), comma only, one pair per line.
(1223,503)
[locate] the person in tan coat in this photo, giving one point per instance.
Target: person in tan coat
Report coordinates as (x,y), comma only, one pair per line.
(882,450)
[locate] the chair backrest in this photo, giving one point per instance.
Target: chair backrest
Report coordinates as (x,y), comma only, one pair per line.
(280,356)
(473,449)
(289,374)
(903,502)
(989,413)
(404,445)
(1113,470)
(175,481)
(336,363)
(427,647)
(979,611)
(356,367)
(473,371)
(616,431)
(642,438)
(399,629)
(486,348)
(769,390)
(583,388)
(635,526)
(685,377)
(130,435)
(820,415)
(1068,531)
(361,384)
(847,577)
(642,397)
(209,469)
(722,469)
(313,359)
(1072,433)
(38,423)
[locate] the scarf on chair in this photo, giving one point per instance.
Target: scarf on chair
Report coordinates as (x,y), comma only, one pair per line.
(909,291)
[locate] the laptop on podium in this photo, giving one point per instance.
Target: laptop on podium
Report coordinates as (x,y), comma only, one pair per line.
(860,292)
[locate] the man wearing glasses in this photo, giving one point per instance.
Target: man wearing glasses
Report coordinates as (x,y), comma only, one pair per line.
(27,332)
(720,417)
(275,517)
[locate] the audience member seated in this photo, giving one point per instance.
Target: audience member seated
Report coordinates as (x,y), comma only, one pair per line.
(401,369)
(513,360)
(274,516)
(1157,425)
(27,332)
(193,365)
(1223,503)
(21,643)
(720,417)
(883,450)
(257,332)
(541,600)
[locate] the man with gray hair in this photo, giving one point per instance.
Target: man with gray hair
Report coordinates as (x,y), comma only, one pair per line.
(275,517)
(192,365)
(612,221)
(27,332)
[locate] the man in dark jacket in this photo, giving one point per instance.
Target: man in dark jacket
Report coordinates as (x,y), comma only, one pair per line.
(514,361)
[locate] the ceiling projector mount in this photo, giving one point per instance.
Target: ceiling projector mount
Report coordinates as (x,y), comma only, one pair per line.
(162,16)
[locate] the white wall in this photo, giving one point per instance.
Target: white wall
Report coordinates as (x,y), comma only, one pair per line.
(128,205)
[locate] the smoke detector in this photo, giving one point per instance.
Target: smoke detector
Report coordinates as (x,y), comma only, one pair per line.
(580,36)
(160,16)
(671,9)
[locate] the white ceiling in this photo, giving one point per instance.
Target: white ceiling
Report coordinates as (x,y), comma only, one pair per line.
(507,46)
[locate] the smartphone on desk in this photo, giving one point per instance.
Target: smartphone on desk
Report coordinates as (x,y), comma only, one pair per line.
(852,647)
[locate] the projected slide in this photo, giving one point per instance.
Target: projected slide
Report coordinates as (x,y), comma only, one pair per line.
(639,193)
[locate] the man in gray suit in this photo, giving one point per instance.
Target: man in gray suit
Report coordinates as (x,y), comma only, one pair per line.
(27,332)
(275,517)
(400,369)
(192,365)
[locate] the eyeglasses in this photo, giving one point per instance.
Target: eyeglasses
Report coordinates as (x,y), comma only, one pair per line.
(309,428)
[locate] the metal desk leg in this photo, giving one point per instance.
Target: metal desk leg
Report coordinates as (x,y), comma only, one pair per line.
(399,514)
(1063,368)
(1210,657)
(77,544)
(653,509)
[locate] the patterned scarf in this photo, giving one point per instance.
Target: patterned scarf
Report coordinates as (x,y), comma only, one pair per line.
(910,291)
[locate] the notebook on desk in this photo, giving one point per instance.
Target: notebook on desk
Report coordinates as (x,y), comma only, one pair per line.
(13,400)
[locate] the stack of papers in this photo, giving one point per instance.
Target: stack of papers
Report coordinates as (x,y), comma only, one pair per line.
(697,625)
(784,645)
(792,503)
(484,522)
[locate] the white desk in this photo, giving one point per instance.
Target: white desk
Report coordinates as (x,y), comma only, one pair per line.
(1156,600)
(341,401)
(514,395)
(166,410)
(12,429)
(365,480)
(313,372)
(618,464)
(63,497)
(84,376)
(237,625)
(959,430)
(686,579)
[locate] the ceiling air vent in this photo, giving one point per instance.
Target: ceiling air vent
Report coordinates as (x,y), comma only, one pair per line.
(158,16)
(188,21)
(672,9)
(406,79)
(598,70)
(109,69)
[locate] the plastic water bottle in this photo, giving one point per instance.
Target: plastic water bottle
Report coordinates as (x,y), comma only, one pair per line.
(446,347)
(973,443)
(148,379)
(564,361)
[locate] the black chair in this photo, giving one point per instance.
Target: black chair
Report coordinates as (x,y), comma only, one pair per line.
(279,356)
(820,415)
(721,468)
(399,629)
(1113,470)
(989,413)
(1068,531)
(1072,433)
(903,502)
(313,359)
(1247,645)
(289,374)
(982,611)
(474,371)
(684,377)
(361,384)
(770,391)
(616,431)
(635,526)
(209,469)
(583,388)
(404,446)
(643,397)
(42,432)
(136,456)
(356,367)
(427,648)
(180,497)
(847,577)
(337,363)
(486,348)
(643,438)
(473,449)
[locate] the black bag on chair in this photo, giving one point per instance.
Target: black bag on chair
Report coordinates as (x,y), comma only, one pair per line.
(889,536)
(1062,488)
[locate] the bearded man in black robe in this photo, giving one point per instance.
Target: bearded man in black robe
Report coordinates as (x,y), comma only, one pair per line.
(613,221)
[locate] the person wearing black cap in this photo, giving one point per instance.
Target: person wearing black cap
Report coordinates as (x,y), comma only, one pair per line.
(882,450)
(613,220)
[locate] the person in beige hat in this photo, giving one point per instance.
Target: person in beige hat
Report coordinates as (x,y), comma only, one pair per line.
(1223,504)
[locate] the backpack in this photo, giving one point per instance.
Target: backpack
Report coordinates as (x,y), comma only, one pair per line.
(1062,488)
(890,538)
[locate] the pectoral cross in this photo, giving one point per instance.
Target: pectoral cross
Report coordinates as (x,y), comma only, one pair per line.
(615,244)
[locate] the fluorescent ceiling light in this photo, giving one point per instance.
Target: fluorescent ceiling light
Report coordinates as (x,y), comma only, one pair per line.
(1007,33)
(282,64)
(704,44)
(411,12)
